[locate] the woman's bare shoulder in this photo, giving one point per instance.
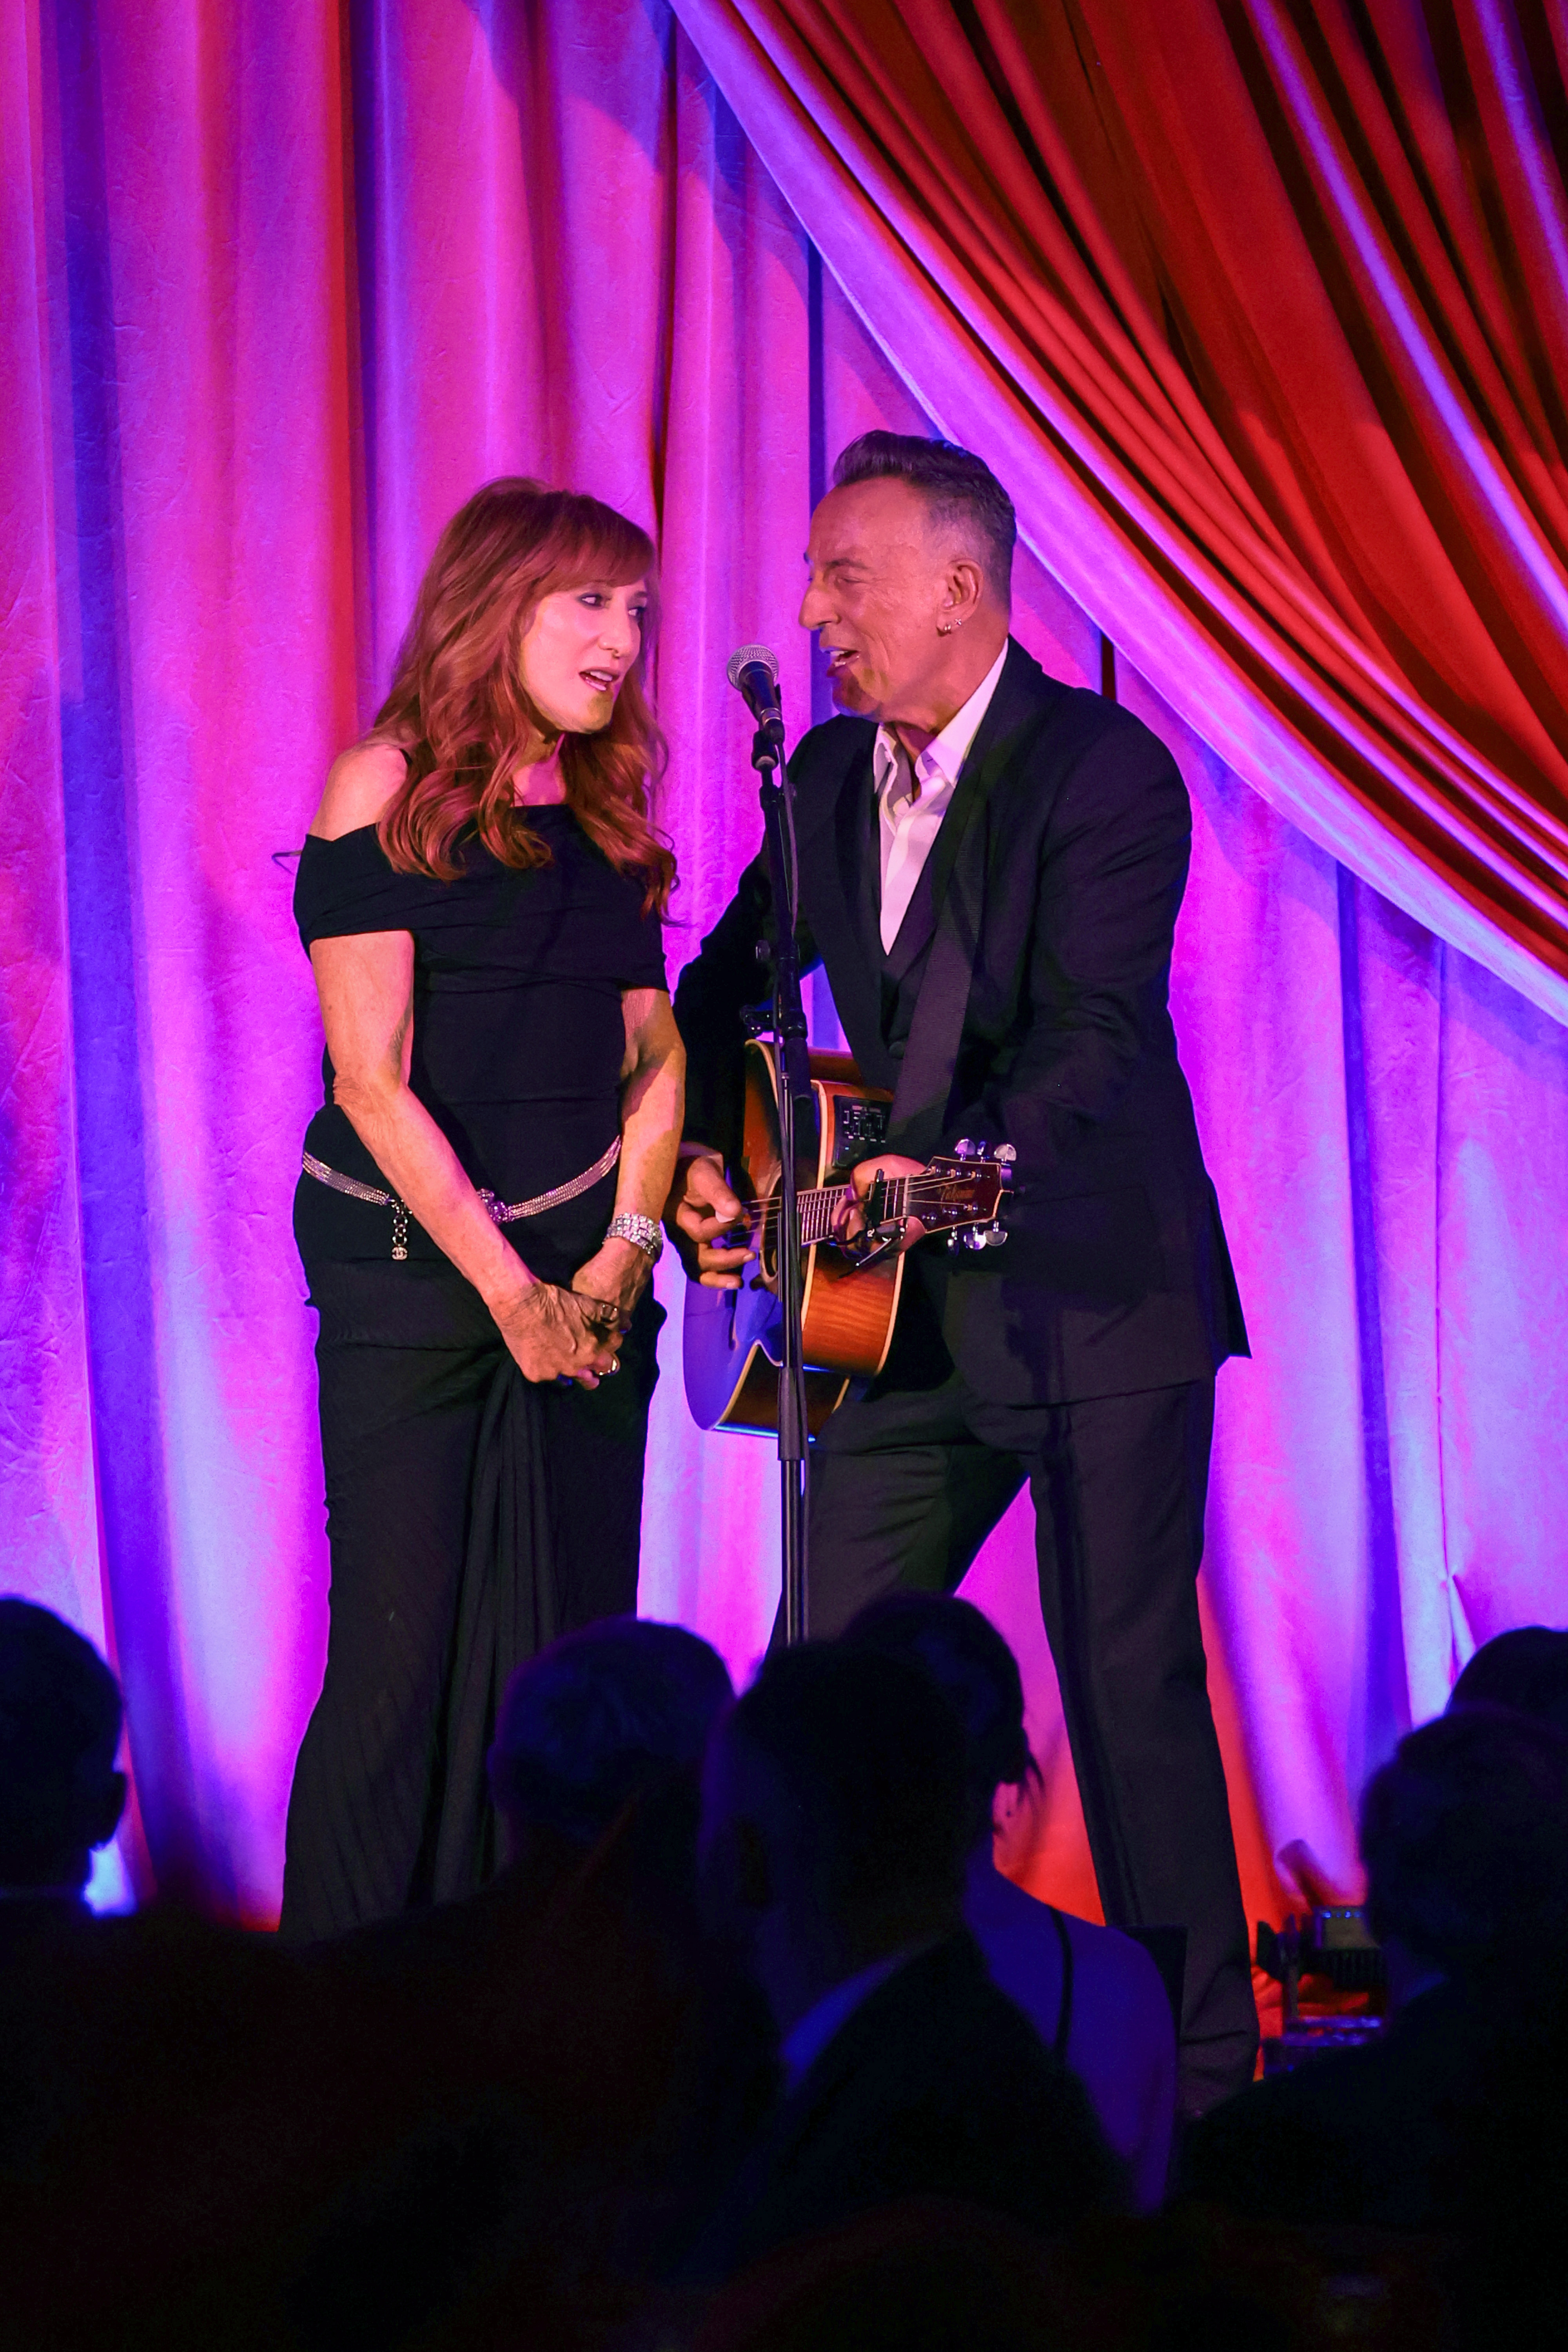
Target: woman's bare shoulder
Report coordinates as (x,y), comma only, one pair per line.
(360,782)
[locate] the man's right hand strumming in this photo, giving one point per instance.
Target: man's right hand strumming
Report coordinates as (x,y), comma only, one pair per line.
(699,1209)
(552,1336)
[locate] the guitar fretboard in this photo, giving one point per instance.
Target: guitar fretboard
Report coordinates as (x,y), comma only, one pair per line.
(820,1204)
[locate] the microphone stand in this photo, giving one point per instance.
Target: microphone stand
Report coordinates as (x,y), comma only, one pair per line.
(794,1075)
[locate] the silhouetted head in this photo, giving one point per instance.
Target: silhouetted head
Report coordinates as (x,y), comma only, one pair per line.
(620,1710)
(1465,1839)
(835,1814)
(1526,1669)
(976,1673)
(59,1731)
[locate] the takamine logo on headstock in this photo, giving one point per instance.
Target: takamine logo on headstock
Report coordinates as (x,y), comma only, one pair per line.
(959,1193)
(731,1344)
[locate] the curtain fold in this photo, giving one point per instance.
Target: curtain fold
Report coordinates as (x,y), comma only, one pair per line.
(1267,346)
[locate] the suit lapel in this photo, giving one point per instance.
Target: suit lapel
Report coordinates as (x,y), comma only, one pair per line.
(832,882)
(956,865)
(805,2111)
(869,2039)
(1016,696)
(860,863)
(915,931)
(1022,691)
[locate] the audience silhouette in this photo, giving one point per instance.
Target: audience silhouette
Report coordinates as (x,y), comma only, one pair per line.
(1094,1997)
(1525,1668)
(61,1794)
(603,1719)
(566,2036)
(751,2046)
(835,1822)
(1465,1840)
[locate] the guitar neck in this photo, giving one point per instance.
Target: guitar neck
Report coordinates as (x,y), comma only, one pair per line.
(821,1204)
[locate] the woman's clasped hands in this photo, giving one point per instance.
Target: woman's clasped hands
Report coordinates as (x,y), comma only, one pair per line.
(555,1334)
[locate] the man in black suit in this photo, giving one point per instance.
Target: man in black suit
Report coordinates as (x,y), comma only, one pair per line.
(991,867)
(834,1820)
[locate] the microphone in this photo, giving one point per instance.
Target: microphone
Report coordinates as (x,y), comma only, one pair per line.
(754,672)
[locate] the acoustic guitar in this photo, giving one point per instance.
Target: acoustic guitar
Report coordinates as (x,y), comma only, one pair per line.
(731,1340)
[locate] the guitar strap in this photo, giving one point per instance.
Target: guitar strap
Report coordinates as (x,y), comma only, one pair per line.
(924,1089)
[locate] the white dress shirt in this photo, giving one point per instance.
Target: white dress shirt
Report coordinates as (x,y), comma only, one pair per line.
(911,806)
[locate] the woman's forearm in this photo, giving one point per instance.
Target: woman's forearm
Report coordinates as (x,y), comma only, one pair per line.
(424,1171)
(653,1101)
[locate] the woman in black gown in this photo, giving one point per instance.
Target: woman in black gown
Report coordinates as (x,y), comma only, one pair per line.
(481,897)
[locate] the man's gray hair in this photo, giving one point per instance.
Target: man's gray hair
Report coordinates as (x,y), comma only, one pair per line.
(959,487)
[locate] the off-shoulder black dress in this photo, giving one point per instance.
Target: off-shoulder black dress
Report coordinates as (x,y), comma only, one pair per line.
(472,1516)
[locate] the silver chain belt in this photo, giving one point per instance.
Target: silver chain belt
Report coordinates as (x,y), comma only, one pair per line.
(500,1213)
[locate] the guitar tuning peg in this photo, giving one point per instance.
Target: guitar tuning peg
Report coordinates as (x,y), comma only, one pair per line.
(966,1148)
(1005,1154)
(991,1236)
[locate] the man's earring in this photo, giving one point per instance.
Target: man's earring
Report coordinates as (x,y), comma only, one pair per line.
(945,628)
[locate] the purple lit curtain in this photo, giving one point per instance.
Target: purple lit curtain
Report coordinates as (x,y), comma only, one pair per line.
(284,283)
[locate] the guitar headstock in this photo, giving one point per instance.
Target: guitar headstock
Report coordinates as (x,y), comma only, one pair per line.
(961,1193)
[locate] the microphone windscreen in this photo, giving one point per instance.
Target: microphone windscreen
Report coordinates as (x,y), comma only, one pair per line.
(742,658)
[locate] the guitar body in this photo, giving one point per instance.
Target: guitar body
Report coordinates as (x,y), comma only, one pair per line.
(732,1349)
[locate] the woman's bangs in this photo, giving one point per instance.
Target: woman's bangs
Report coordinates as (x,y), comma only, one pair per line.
(603,551)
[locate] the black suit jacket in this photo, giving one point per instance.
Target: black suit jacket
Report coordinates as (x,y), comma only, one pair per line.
(1024,1000)
(936,2086)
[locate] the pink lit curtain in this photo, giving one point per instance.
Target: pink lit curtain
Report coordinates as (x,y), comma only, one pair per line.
(284,283)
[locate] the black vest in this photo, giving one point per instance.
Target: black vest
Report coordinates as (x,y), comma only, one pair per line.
(901,968)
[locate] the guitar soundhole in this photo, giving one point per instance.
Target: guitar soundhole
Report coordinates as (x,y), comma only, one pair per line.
(859,1129)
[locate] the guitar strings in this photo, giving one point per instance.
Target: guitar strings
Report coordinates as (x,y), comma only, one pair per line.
(907,1187)
(761,1216)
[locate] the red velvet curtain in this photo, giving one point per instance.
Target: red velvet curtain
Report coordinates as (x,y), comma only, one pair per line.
(1261,307)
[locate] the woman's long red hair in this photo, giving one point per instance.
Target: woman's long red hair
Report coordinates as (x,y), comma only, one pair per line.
(457,709)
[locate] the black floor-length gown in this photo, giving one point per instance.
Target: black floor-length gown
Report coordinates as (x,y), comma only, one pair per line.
(472,1516)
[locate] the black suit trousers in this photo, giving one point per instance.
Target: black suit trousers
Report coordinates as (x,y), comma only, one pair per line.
(907,1483)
